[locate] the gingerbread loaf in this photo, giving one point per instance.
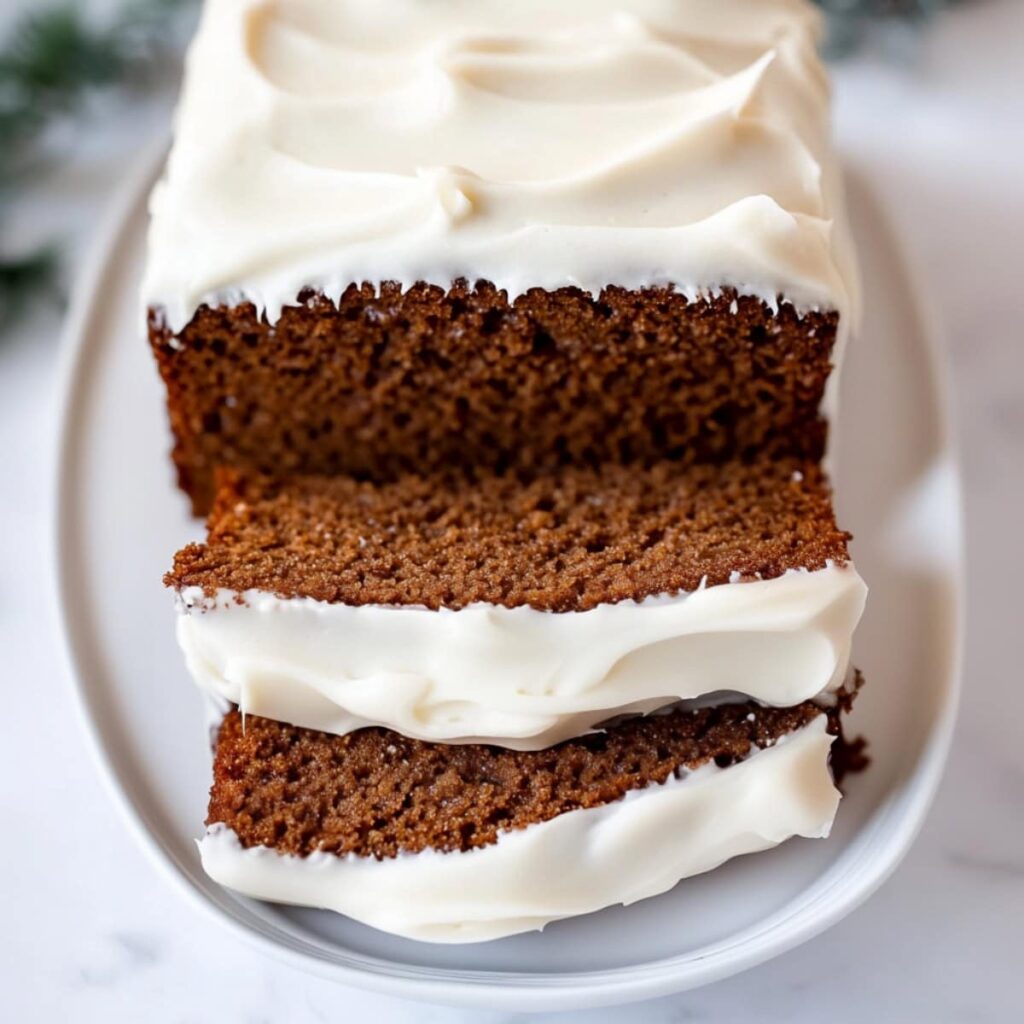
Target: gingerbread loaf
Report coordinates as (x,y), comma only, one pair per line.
(499,344)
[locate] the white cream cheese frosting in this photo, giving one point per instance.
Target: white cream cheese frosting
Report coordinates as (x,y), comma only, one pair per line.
(519,677)
(533,144)
(574,864)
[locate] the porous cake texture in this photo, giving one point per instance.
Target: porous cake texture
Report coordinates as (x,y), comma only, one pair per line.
(567,540)
(387,382)
(375,793)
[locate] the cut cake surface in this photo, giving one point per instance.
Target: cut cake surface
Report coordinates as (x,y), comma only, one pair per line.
(564,541)
(394,382)
(377,793)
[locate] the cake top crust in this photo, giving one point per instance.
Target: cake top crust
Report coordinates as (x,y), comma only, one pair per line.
(564,541)
(321,143)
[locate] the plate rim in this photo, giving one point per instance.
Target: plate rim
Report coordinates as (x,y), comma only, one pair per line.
(783,931)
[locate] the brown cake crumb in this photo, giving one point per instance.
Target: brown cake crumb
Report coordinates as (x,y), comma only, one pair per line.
(375,792)
(388,382)
(564,541)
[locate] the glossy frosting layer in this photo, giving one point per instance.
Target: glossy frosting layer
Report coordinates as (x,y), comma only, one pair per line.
(573,864)
(519,677)
(533,144)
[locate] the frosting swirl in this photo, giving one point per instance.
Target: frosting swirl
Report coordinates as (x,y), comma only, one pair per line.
(586,143)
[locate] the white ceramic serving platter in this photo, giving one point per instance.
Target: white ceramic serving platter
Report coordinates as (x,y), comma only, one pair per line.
(119,519)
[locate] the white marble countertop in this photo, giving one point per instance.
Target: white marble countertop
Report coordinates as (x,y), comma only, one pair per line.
(91,931)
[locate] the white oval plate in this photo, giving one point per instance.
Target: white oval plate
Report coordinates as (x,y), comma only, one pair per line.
(120,519)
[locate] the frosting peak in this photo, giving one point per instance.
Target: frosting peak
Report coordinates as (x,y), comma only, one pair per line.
(589,142)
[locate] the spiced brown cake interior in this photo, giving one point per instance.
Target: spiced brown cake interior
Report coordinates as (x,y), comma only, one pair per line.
(500,352)
(566,540)
(375,793)
(386,382)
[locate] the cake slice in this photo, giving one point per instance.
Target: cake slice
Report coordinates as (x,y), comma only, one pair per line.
(466,843)
(465,608)
(508,235)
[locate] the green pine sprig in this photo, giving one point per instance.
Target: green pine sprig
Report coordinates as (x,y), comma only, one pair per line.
(24,279)
(52,63)
(850,20)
